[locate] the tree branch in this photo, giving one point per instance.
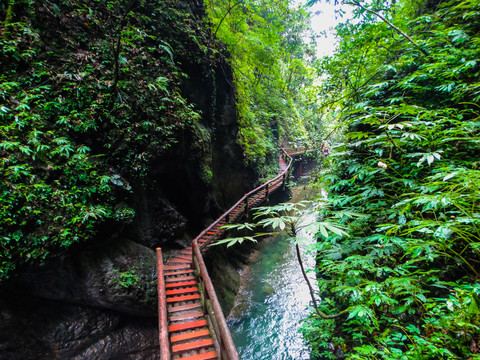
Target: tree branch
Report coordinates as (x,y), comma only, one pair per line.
(355,90)
(393,142)
(224,16)
(310,288)
(355,3)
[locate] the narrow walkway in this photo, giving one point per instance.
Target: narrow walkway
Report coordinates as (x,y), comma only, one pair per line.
(191,323)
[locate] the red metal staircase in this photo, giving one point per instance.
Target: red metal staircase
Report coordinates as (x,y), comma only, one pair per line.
(191,322)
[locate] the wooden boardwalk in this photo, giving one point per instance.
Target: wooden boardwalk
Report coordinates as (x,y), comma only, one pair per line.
(191,322)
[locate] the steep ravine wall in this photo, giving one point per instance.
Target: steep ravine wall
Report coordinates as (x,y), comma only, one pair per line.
(97,300)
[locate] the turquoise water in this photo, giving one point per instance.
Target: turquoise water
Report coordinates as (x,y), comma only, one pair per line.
(271,303)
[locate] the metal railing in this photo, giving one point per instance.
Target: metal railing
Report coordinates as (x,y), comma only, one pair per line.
(162,310)
(243,206)
(222,338)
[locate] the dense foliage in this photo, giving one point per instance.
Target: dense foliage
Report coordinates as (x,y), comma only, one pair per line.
(90,99)
(271,56)
(408,274)
(89,95)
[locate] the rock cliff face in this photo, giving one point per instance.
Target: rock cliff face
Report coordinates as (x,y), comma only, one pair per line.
(203,174)
(98,300)
(91,303)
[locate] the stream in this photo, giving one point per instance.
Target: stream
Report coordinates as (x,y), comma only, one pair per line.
(273,299)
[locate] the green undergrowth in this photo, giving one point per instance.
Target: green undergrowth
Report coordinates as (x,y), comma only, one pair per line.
(89,96)
(408,273)
(272,54)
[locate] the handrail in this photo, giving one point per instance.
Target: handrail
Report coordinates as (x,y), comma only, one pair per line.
(222,337)
(286,156)
(220,334)
(226,214)
(162,310)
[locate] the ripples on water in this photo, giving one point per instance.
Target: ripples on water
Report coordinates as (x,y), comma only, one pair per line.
(271,304)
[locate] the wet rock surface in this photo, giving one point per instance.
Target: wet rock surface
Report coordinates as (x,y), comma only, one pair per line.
(97,303)
(224,266)
(33,328)
(118,276)
(158,222)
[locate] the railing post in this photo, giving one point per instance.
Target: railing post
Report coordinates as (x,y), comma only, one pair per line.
(246,206)
(266,192)
(162,310)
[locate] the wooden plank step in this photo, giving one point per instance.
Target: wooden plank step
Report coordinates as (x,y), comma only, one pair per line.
(186,252)
(183,298)
(192,346)
(187,257)
(190,335)
(184,307)
(190,315)
(176,267)
(187,325)
(181,260)
(182,272)
(205,356)
(181,284)
(180,279)
(182,291)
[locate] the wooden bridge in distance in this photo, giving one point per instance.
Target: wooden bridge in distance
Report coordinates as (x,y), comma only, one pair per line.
(191,322)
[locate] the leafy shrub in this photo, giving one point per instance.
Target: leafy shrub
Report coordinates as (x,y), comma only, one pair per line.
(408,273)
(89,96)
